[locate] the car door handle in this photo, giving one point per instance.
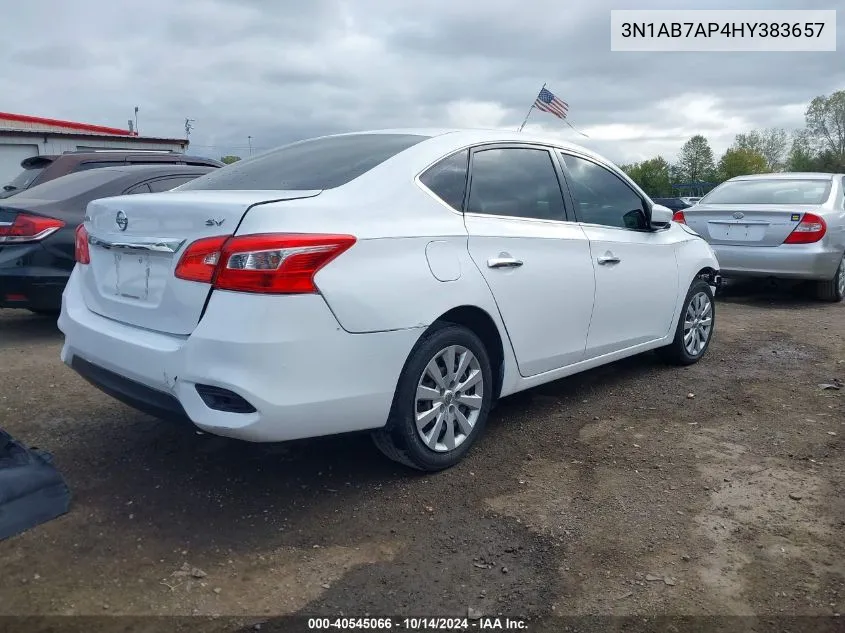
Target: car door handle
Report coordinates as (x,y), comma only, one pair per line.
(503,261)
(608,259)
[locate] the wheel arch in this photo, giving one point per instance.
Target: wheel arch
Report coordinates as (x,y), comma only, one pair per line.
(482,325)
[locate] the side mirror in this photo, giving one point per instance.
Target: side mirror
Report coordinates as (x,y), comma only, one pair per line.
(661,217)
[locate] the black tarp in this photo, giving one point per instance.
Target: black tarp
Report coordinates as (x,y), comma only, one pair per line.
(32,491)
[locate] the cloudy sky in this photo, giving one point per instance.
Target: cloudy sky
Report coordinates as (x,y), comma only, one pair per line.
(283,70)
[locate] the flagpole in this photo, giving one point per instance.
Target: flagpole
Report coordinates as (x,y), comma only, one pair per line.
(531,109)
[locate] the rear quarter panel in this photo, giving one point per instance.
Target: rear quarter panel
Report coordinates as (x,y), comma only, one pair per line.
(385,281)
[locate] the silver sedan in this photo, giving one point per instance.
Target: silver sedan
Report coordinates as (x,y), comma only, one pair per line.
(787,225)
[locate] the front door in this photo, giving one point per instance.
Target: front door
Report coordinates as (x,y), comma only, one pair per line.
(636,270)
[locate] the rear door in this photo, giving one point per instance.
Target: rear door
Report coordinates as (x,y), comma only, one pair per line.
(535,261)
(756,212)
(135,242)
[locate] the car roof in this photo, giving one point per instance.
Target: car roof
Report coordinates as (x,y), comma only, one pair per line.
(787,175)
(148,169)
(471,136)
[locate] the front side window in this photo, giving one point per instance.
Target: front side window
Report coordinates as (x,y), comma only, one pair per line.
(515,182)
(448,179)
(601,197)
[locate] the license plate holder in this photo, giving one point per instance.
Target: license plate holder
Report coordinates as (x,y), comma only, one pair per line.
(737,231)
(132,275)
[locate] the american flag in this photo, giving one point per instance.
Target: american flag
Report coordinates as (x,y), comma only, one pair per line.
(547,102)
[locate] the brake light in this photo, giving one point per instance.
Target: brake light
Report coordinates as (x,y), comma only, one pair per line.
(811,229)
(199,260)
(678,217)
(278,263)
(28,228)
(80,245)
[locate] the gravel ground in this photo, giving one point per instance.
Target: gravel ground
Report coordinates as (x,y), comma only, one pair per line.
(630,490)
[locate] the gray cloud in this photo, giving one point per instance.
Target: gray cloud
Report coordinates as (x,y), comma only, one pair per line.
(282,71)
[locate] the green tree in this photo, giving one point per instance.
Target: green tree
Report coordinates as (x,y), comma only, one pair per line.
(771,143)
(801,155)
(228,160)
(695,162)
(740,162)
(825,118)
(652,176)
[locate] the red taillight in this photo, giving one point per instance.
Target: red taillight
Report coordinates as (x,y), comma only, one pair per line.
(28,228)
(811,229)
(678,217)
(80,245)
(199,260)
(268,263)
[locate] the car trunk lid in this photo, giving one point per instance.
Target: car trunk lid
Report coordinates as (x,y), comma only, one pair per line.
(746,224)
(135,243)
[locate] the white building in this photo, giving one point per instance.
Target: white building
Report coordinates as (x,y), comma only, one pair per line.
(22,136)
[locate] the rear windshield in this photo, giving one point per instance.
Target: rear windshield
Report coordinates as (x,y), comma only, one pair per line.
(23,179)
(71,185)
(774,191)
(321,163)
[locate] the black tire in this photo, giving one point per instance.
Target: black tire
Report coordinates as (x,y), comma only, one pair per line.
(399,439)
(676,352)
(833,290)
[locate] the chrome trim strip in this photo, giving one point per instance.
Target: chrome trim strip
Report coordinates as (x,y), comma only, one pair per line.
(154,244)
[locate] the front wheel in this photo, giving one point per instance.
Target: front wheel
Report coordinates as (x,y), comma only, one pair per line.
(442,400)
(695,326)
(834,289)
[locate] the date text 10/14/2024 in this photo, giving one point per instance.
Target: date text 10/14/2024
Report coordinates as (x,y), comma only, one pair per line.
(489,623)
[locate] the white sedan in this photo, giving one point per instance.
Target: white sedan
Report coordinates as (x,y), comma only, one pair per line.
(397,282)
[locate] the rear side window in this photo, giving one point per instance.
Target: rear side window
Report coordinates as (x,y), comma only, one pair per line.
(515,182)
(774,191)
(321,163)
(448,179)
(98,164)
(166,184)
(142,188)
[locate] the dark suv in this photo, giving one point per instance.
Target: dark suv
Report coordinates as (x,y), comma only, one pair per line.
(39,169)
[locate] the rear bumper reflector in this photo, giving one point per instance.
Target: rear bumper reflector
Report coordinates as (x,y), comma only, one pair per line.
(221,399)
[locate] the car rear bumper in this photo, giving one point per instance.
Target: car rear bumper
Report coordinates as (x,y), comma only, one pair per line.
(36,289)
(285,367)
(789,261)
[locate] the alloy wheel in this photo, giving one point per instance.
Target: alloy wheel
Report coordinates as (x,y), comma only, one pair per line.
(698,323)
(449,398)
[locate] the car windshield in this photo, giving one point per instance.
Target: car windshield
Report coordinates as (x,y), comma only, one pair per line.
(321,163)
(773,191)
(71,185)
(22,181)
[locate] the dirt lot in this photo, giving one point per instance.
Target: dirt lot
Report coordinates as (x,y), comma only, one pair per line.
(634,489)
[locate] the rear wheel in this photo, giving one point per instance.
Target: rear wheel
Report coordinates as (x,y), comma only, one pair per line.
(695,327)
(833,289)
(442,400)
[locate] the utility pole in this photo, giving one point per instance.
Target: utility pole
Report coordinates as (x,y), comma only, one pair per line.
(136,120)
(249,140)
